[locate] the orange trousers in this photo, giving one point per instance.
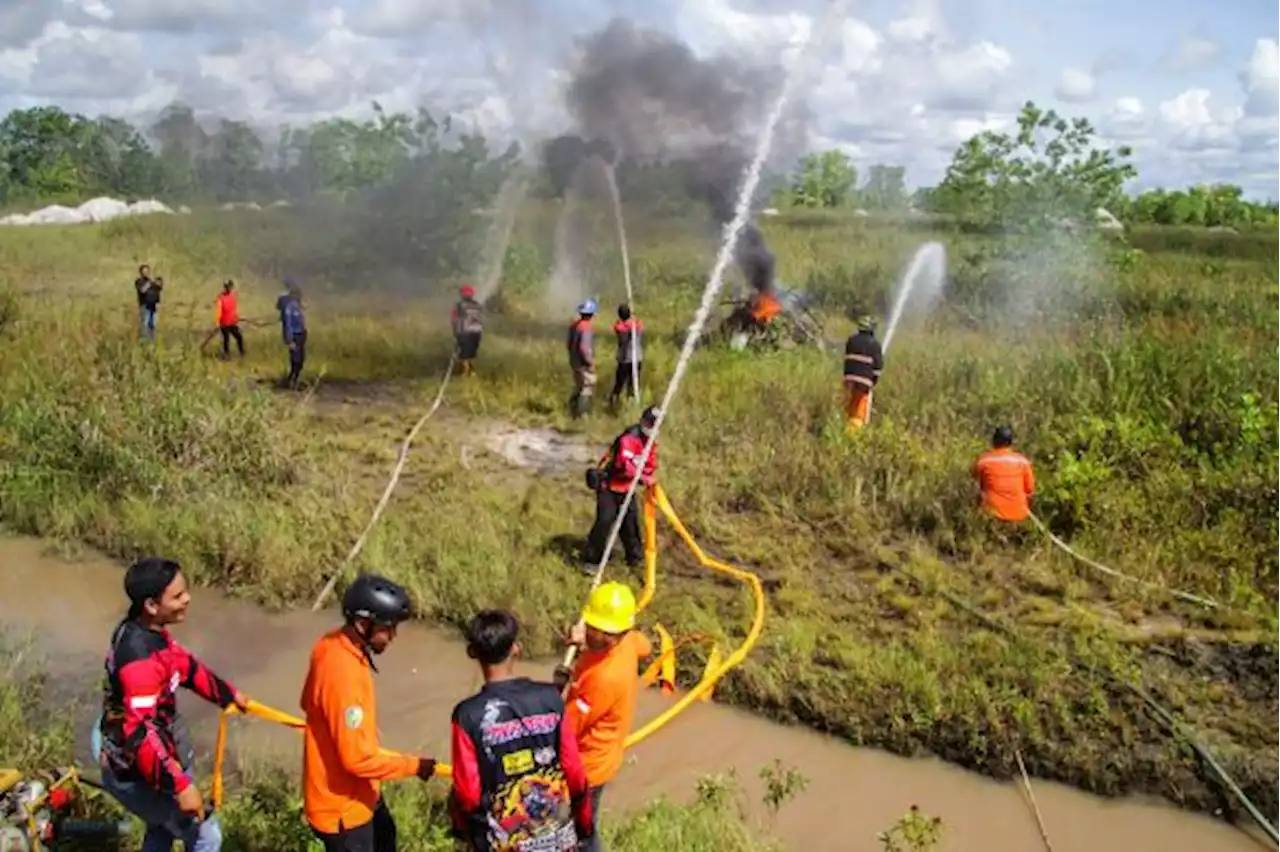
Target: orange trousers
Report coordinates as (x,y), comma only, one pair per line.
(857,407)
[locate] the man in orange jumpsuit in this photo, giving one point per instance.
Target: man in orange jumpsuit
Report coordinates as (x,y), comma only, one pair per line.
(1005,477)
(342,765)
(601,703)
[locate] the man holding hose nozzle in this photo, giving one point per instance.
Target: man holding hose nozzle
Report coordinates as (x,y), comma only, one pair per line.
(610,479)
(630,333)
(139,740)
(863,362)
(601,702)
(342,764)
(467,320)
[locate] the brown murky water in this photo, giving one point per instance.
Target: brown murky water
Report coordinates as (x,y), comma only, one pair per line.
(853,793)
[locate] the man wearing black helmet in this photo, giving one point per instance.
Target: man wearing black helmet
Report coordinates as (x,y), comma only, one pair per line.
(343,764)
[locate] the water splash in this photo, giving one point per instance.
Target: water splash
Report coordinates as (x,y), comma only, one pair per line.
(498,236)
(732,231)
(920,286)
(616,198)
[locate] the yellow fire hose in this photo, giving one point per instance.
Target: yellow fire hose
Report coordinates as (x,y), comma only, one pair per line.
(661,670)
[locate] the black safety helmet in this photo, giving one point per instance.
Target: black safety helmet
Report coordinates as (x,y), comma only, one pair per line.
(650,416)
(1003,436)
(377,599)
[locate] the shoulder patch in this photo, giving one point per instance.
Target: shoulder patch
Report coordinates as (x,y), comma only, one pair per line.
(353,716)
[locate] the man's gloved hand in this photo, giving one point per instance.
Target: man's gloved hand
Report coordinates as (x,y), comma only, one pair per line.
(561,677)
(426,768)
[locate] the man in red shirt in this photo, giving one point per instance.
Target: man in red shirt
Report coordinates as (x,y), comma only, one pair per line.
(611,477)
(140,741)
(228,312)
(1006,479)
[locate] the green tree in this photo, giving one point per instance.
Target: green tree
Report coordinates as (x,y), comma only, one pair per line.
(827,180)
(1051,168)
(42,152)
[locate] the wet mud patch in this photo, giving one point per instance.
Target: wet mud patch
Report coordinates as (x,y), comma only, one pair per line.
(1253,669)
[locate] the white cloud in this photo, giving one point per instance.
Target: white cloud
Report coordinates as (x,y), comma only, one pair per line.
(1075,86)
(906,88)
(1261,79)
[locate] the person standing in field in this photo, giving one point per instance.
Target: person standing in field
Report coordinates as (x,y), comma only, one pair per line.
(518,780)
(148,290)
(227,309)
(582,358)
(1006,479)
(140,740)
(293,324)
(863,362)
(604,686)
(611,478)
(467,321)
(630,335)
(342,763)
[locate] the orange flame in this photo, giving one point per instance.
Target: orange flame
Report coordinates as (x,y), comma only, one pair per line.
(764,307)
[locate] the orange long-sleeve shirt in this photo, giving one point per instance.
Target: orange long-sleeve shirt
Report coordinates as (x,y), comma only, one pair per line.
(1007,482)
(341,762)
(601,704)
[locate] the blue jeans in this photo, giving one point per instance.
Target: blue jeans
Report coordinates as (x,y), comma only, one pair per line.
(147,323)
(165,823)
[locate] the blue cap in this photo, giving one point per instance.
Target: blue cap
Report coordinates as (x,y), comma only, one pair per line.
(587,307)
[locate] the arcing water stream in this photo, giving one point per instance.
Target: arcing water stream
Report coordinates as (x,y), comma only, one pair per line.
(616,197)
(70,608)
(923,279)
(498,237)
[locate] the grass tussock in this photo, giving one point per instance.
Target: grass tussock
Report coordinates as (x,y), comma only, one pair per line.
(1139,378)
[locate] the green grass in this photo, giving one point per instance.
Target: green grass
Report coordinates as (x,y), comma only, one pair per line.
(264,808)
(1141,381)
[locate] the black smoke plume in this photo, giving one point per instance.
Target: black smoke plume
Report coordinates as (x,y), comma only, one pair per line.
(654,100)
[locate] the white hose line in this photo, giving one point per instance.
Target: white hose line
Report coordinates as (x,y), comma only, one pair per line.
(391,486)
(1111,572)
(742,213)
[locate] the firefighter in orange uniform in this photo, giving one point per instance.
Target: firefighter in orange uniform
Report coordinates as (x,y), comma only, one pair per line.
(863,362)
(343,766)
(1006,479)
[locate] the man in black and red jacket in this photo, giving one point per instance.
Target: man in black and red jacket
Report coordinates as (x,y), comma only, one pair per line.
(140,741)
(611,478)
(518,781)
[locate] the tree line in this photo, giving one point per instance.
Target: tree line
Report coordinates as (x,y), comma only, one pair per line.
(1051,167)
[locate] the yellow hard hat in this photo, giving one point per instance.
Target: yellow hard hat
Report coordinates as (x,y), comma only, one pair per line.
(611,609)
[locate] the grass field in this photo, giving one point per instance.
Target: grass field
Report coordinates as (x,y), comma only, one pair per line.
(1140,377)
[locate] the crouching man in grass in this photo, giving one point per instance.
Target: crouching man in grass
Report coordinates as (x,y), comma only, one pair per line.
(139,740)
(518,781)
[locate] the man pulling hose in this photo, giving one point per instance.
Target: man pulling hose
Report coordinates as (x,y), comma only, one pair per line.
(343,766)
